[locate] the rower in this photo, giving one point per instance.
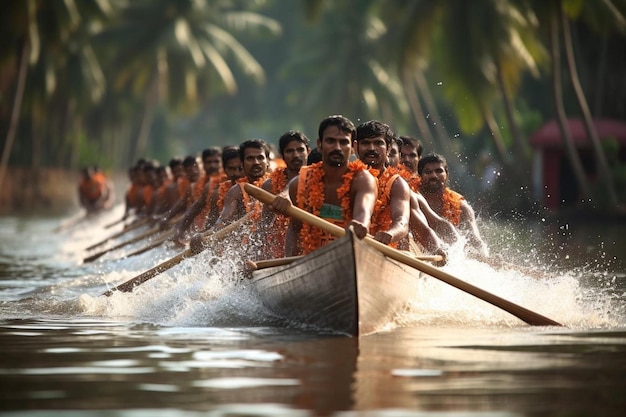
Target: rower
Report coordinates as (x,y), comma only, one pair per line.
(393,211)
(433,170)
(205,210)
(294,149)
(335,189)
(254,156)
(94,190)
(410,153)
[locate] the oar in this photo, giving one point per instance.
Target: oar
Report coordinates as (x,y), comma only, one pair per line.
(157,242)
(135,225)
(129,285)
(67,224)
(154,230)
(115,223)
(522,313)
(268,263)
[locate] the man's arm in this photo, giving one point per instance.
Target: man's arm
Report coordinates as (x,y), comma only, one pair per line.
(232,208)
(468,225)
(420,229)
(191,213)
(441,226)
(364,196)
(400,210)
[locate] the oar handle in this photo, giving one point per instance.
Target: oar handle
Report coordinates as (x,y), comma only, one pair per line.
(522,313)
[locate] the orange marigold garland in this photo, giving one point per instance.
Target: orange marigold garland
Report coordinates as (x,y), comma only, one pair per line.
(279,180)
(311,199)
(381,220)
(221,193)
(256,206)
(451,207)
(412,179)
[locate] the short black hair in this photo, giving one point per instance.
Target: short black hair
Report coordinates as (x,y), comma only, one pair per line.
(189,161)
(429,159)
(290,136)
(254,143)
(374,128)
(339,121)
(413,142)
(212,151)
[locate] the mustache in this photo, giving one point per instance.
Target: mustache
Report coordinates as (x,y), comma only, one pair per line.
(372,154)
(336,153)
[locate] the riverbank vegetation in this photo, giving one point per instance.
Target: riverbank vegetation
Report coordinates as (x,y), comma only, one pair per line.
(108,81)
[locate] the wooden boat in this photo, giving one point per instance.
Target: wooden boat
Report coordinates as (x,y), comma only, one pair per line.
(347,287)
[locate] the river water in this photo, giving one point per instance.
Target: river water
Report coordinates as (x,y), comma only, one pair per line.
(195,341)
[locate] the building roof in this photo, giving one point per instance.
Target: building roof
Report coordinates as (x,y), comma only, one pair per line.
(549,135)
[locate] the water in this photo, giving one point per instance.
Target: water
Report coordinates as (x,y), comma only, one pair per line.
(195,341)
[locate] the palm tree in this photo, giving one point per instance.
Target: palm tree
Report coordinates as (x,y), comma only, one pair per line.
(605,172)
(182,52)
(343,65)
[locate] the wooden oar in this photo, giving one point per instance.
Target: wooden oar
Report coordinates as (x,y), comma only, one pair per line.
(153,231)
(129,285)
(135,225)
(115,223)
(268,263)
(522,313)
(67,224)
(157,242)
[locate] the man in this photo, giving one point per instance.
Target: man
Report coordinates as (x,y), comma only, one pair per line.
(173,191)
(294,149)
(185,187)
(410,153)
(394,153)
(205,210)
(390,222)
(335,189)
(433,170)
(254,155)
(94,191)
(392,213)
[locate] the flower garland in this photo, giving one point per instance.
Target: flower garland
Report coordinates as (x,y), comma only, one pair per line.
(311,198)
(381,219)
(451,207)
(256,207)
(279,180)
(412,179)
(221,193)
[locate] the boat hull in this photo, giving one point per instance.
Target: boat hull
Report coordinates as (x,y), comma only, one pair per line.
(347,287)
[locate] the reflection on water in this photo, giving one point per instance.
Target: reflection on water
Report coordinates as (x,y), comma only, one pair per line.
(196,341)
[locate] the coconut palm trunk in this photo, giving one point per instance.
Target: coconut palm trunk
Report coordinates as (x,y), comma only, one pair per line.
(568,142)
(15,111)
(603,165)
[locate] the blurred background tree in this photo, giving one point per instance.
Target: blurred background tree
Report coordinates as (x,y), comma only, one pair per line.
(108,81)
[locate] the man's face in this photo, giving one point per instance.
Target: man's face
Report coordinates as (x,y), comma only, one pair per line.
(212,164)
(393,159)
(254,163)
(193,172)
(409,158)
(178,171)
(434,177)
(372,151)
(233,169)
(335,145)
(294,155)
